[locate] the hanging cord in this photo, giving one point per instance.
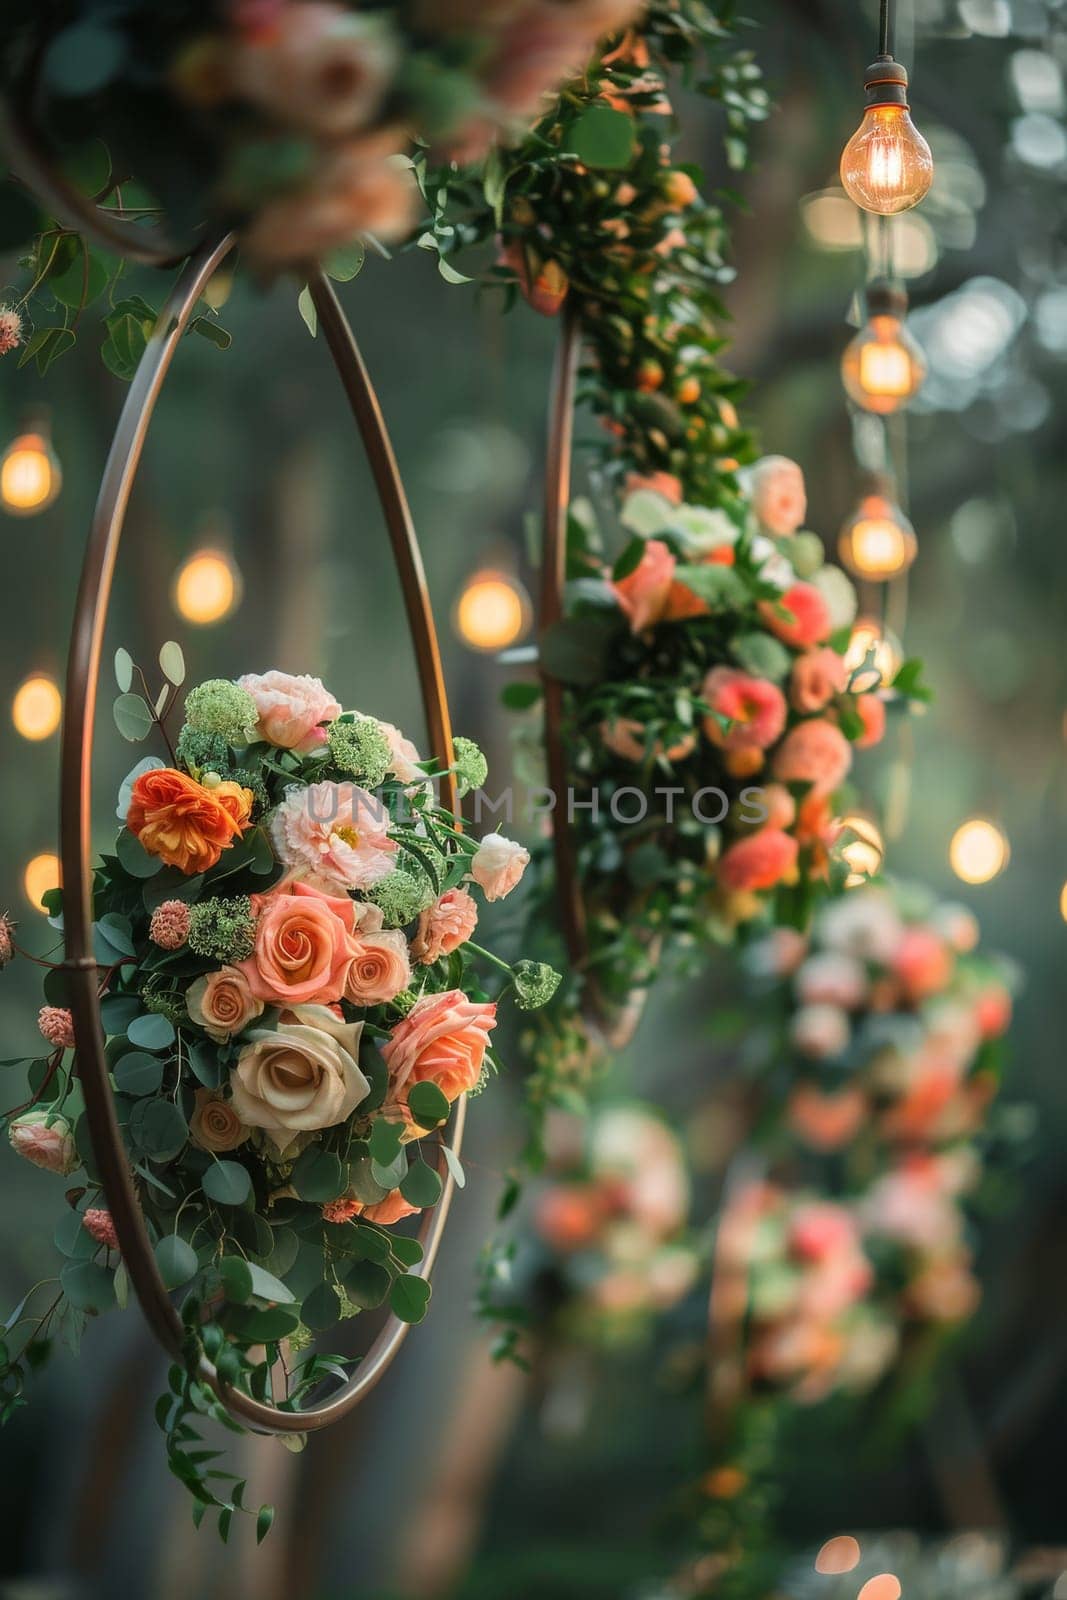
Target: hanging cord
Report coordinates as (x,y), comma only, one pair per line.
(886,28)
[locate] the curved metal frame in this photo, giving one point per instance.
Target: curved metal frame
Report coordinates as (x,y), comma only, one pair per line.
(616,1029)
(83,673)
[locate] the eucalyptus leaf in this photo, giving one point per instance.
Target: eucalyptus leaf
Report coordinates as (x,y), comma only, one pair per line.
(123,670)
(176,1260)
(227,1182)
(409,1298)
(133,717)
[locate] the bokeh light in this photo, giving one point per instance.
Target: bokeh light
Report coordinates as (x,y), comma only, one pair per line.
(41,874)
(882,367)
(877,542)
(886,1586)
(831,220)
(979,850)
(37,707)
(207,588)
(838,1555)
(30,475)
(1063,902)
(869,637)
(492,612)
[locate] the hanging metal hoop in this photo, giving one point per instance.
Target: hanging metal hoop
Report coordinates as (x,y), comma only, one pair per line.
(83,673)
(614,1026)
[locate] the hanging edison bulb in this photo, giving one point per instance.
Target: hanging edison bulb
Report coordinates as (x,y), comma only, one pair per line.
(886,166)
(37,707)
(30,474)
(207,587)
(493,610)
(883,367)
(863,849)
(877,542)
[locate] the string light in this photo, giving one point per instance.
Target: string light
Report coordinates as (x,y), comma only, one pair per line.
(869,638)
(877,542)
(37,707)
(492,611)
(883,367)
(979,850)
(30,474)
(41,874)
(886,166)
(207,587)
(863,854)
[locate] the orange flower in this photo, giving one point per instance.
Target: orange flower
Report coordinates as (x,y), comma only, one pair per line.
(183,823)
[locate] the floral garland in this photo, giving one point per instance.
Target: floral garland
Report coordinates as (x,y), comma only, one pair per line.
(289,992)
(591,214)
(293,120)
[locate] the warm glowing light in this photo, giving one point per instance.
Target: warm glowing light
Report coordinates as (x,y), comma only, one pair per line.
(1063,902)
(886,166)
(831,221)
(42,874)
(37,707)
(492,612)
(30,475)
(207,588)
(863,851)
(868,637)
(883,367)
(979,851)
(838,1555)
(886,1586)
(877,542)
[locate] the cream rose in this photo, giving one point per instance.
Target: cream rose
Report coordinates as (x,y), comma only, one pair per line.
(222,1003)
(46,1140)
(301,1077)
(779,498)
(214,1124)
(498,864)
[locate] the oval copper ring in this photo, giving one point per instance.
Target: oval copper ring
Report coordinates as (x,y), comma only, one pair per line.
(614,1027)
(83,672)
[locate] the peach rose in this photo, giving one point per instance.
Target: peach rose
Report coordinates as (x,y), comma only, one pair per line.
(662,483)
(766,858)
(643,594)
(444,926)
(335,835)
(993,1010)
(826,1121)
(184,823)
(317,67)
(780,806)
(498,864)
(404,764)
(755,707)
(569,1216)
(214,1124)
(779,498)
(808,617)
(291,709)
(624,736)
(46,1140)
(301,1077)
(817,676)
(442,1040)
(354,188)
(305,945)
(380,968)
(814,752)
(222,1003)
(870,708)
(923,963)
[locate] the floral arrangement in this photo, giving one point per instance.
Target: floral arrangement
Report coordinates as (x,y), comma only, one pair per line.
(611,1216)
(293,120)
(591,212)
(290,993)
(710,718)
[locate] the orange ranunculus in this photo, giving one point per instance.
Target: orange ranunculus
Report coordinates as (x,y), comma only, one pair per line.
(182,822)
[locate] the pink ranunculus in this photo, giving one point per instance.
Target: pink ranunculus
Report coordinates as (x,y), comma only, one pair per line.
(820,1031)
(755,706)
(291,709)
(624,736)
(779,498)
(381,968)
(814,752)
(644,593)
(305,944)
(807,621)
(766,858)
(335,836)
(444,926)
(442,1040)
(870,708)
(223,1003)
(832,978)
(826,1121)
(46,1140)
(923,963)
(498,864)
(817,676)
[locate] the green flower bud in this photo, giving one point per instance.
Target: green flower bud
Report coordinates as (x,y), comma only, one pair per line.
(223,930)
(219,706)
(361,749)
(401,896)
(472,769)
(535,984)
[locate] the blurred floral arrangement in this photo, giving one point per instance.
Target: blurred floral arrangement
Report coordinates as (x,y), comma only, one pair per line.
(611,1217)
(591,215)
(294,121)
(287,986)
